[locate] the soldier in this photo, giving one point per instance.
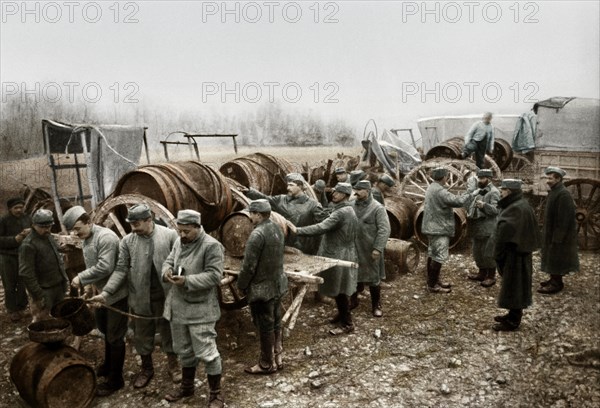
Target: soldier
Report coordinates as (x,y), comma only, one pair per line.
(141,256)
(264,281)
(372,235)
(319,188)
(41,267)
(339,235)
(341,176)
(559,247)
(194,268)
(481,221)
(100,252)
(297,207)
(356,176)
(516,237)
(479,139)
(14,227)
(438,225)
(383,185)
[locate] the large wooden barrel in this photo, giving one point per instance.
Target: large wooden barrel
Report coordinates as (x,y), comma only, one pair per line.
(451,148)
(182,185)
(237,227)
(53,377)
(460,226)
(503,153)
(401,212)
(400,257)
(260,171)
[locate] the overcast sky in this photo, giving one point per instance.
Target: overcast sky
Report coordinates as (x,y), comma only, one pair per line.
(394,61)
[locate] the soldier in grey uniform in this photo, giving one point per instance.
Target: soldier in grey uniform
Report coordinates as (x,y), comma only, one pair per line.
(194,269)
(100,252)
(141,256)
(339,235)
(481,221)
(14,227)
(479,140)
(41,267)
(383,185)
(263,280)
(438,225)
(372,235)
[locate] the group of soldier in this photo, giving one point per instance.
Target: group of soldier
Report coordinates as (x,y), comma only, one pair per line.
(167,280)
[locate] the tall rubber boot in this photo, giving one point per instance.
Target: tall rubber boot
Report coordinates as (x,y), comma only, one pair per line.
(104,369)
(376,300)
(279,349)
(215,399)
(266,363)
(187,385)
(146,374)
(354,298)
(434,278)
(115,379)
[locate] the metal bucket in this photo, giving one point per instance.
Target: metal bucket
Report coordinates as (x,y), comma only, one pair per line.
(49,331)
(75,311)
(460,227)
(53,377)
(401,212)
(237,227)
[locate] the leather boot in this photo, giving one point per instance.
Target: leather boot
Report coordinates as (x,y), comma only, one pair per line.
(146,373)
(279,349)
(555,285)
(345,316)
(338,316)
(115,379)
(376,300)
(104,369)
(511,322)
(354,298)
(174,370)
(479,276)
(187,385)
(215,399)
(434,277)
(266,363)
(490,278)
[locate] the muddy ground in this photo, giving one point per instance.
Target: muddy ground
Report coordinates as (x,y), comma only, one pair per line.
(434,351)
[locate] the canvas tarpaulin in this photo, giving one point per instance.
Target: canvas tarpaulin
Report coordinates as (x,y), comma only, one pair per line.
(389,149)
(524,134)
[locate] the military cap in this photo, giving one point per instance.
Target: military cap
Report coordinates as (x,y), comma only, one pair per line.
(138,212)
(554,169)
(319,185)
(439,173)
(11,202)
(356,176)
(511,184)
(43,217)
(363,185)
(259,206)
(385,179)
(187,217)
(345,188)
(485,173)
(339,170)
(294,177)
(71,216)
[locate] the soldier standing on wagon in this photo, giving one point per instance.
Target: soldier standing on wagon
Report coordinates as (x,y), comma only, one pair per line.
(339,235)
(264,281)
(100,252)
(14,227)
(372,235)
(438,225)
(481,221)
(141,256)
(559,247)
(480,139)
(194,268)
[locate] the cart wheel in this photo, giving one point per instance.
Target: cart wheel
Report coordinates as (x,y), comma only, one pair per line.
(586,194)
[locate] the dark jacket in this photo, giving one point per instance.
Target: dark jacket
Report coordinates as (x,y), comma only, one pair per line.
(559,247)
(516,237)
(262,275)
(10,227)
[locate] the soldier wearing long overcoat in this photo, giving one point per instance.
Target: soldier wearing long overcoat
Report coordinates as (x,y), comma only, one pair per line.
(559,247)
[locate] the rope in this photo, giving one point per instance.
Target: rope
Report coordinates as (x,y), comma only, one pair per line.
(114,309)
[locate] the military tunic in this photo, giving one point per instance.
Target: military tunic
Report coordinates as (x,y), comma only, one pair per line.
(339,236)
(559,247)
(15,296)
(372,233)
(481,223)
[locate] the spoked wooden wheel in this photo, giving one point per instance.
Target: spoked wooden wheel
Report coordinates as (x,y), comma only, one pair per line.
(520,167)
(586,194)
(112,212)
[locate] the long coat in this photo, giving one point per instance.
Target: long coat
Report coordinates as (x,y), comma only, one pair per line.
(100,252)
(559,248)
(373,233)
(482,221)
(197,300)
(339,235)
(262,275)
(516,237)
(137,255)
(10,227)
(438,217)
(300,211)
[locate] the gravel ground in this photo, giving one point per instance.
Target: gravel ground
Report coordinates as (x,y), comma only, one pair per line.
(433,351)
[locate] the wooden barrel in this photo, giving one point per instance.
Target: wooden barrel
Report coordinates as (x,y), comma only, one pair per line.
(451,148)
(400,257)
(237,227)
(182,185)
(401,212)
(260,171)
(503,153)
(460,226)
(53,377)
